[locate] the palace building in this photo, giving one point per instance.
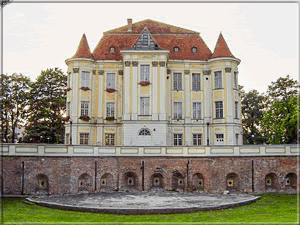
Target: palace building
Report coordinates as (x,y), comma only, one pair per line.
(153,84)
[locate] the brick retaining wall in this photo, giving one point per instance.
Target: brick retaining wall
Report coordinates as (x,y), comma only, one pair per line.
(70,175)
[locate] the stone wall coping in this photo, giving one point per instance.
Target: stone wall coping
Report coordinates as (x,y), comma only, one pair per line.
(142,151)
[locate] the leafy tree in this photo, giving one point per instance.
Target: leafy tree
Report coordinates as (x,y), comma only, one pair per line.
(252,104)
(14,92)
(47,106)
(280,117)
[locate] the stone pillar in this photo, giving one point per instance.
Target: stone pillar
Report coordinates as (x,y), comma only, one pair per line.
(120,93)
(229,96)
(100,95)
(154,86)
(134,90)
(187,97)
(208,114)
(162,113)
(99,136)
(127,90)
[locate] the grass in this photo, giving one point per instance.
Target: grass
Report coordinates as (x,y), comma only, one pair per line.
(271,208)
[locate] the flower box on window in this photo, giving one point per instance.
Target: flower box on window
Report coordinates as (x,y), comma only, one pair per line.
(110,90)
(68,89)
(85,88)
(85,118)
(144,83)
(66,118)
(187,72)
(110,118)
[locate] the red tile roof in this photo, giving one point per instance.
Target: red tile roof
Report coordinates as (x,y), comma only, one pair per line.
(83,50)
(221,49)
(154,27)
(166,36)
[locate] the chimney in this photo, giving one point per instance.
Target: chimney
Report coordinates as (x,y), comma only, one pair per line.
(129,21)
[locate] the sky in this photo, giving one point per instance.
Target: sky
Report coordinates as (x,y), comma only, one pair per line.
(264,36)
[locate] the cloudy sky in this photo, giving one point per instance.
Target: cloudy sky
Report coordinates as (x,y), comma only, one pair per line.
(37,36)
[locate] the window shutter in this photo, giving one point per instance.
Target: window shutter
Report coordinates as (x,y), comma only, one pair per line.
(179,82)
(113,81)
(194,110)
(175,81)
(147,108)
(180,110)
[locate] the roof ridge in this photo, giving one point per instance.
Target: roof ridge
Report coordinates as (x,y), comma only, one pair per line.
(135,28)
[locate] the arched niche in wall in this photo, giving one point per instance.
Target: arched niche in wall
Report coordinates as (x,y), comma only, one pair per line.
(42,185)
(84,183)
(157,181)
(198,182)
(232,182)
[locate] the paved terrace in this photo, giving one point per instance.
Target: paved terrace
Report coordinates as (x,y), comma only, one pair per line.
(145,202)
(182,151)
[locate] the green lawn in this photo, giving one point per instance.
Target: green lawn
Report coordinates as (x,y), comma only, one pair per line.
(271,208)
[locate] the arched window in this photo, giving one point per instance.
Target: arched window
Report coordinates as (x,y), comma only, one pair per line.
(144,132)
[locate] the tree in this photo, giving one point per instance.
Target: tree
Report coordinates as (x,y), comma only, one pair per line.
(280,117)
(252,104)
(47,106)
(14,92)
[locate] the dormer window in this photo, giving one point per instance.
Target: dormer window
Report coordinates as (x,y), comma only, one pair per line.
(112,50)
(194,49)
(176,49)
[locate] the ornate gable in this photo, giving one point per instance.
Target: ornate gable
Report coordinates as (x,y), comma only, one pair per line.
(145,42)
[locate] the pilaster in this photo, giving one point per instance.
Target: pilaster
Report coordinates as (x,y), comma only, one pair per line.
(154,86)
(187,97)
(207,97)
(127,91)
(134,90)
(162,94)
(229,95)
(100,96)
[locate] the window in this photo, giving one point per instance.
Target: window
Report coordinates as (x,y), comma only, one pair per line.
(84,108)
(235,86)
(110,109)
(176,49)
(236,105)
(67,139)
(196,110)
(194,49)
(145,106)
(145,39)
(177,81)
(196,82)
(219,109)
(84,139)
(177,139)
(85,79)
(145,132)
(220,138)
(145,72)
(109,139)
(177,110)
(236,139)
(197,139)
(110,80)
(218,79)
(68,108)
(112,50)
